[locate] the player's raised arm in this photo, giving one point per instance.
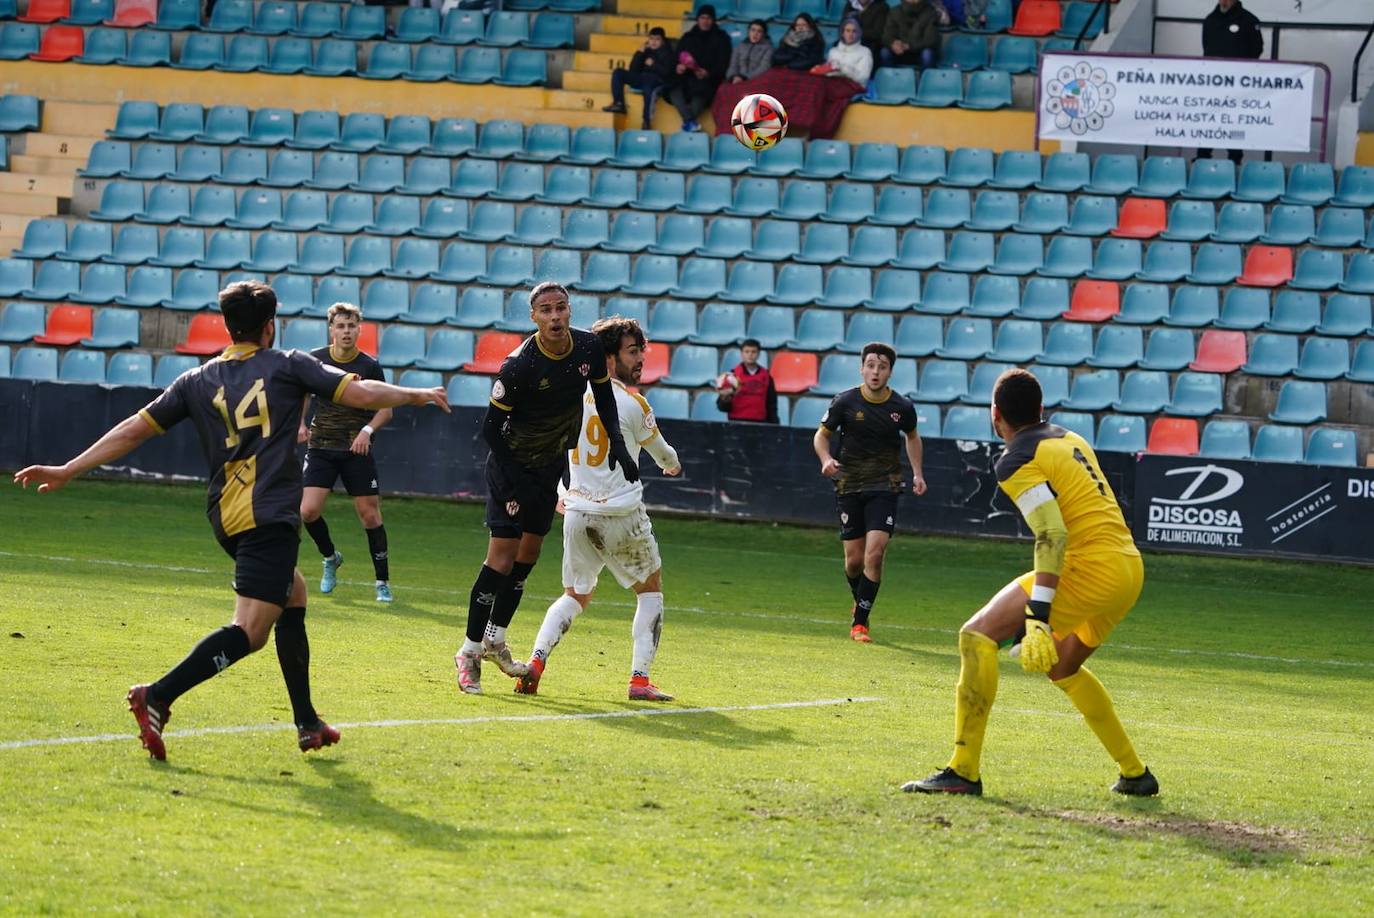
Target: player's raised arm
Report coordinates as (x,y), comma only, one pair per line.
(120,440)
(372,393)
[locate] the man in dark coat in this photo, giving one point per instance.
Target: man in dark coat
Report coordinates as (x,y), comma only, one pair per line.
(703,55)
(1230,30)
(650,70)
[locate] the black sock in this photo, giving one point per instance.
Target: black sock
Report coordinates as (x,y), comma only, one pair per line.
(293,653)
(508,600)
(376,543)
(867,594)
(216,652)
(319,531)
(485,589)
(854,585)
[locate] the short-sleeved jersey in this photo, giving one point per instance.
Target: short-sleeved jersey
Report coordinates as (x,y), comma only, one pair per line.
(871,452)
(593,486)
(543,393)
(246,406)
(1049,454)
(335,426)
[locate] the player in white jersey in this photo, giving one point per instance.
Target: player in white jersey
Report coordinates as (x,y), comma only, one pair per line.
(605,524)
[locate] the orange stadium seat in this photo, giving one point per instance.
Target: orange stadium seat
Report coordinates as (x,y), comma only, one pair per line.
(1140,218)
(493,348)
(1173,437)
(367,338)
(1267,266)
(792,371)
(1220,352)
(206,335)
(67,325)
(132,14)
(47,11)
(60,43)
(1094,301)
(655,363)
(1037,18)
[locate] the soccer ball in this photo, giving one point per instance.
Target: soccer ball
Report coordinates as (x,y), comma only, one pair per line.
(727,382)
(759,121)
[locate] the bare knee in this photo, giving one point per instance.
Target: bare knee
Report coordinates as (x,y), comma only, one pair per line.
(501,554)
(873,564)
(309,513)
(369,512)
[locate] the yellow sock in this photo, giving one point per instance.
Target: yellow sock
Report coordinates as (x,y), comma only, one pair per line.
(973,698)
(1093,702)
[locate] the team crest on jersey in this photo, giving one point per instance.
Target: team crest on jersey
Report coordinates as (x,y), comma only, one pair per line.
(543,383)
(858,415)
(896,418)
(498,390)
(585,370)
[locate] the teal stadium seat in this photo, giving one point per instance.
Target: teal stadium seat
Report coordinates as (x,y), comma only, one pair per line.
(1295,312)
(385,300)
(838,372)
(1168,349)
(1225,439)
(1211,179)
(966,339)
(874,162)
(414,259)
(433,304)
(680,234)
(224,124)
(919,336)
(945,294)
(1094,391)
(1092,215)
(661,192)
(54,280)
(1118,347)
(943,381)
(88,242)
(921,165)
(515,315)
(1190,221)
(1260,182)
(865,327)
(1043,212)
(585,229)
(1362,367)
(417,24)
(969,167)
(549,30)
(964,52)
(896,291)
(35,363)
(1120,434)
(148,49)
(1318,270)
(1113,174)
(1015,54)
(719,324)
(1018,342)
(896,85)
(1324,358)
(1359,274)
(898,206)
(1116,259)
(668,403)
(691,366)
(1310,183)
(1340,227)
(847,288)
(1239,222)
(1278,444)
(1195,395)
(652,275)
(128,368)
(1067,257)
(1068,344)
(1143,392)
(103,46)
(1079,422)
(1244,309)
(994,211)
(1346,315)
(938,88)
(246,53)
(605,272)
(872,246)
(771,326)
(964,422)
(448,350)
(969,253)
(1216,263)
(1065,172)
(807,411)
(981,383)
(988,90)
(784,159)
(1166,262)
(1331,447)
(921,249)
(1290,224)
(147,287)
(946,208)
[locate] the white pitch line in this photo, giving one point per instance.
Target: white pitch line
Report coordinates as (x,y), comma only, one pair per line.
(442,721)
(695,610)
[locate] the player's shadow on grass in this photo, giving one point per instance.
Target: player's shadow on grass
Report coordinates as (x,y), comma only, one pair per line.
(712,727)
(1241,844)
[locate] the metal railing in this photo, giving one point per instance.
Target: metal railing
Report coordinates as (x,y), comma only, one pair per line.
(1355,67)
(1106,7)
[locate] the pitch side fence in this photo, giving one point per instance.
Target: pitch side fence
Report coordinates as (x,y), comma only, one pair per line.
(767,473)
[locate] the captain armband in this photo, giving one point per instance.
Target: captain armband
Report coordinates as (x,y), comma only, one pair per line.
(1041,511)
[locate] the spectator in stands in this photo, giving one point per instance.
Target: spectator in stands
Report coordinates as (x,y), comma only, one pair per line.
(703,55)
(911,36)
(872,16)
(747,392)
(650,70)
(974,13)
(752,56)
(848,57)
(801,47)
(1230,30)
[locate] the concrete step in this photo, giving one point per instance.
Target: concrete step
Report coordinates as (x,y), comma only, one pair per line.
(45,165)
(31,204)
(661,9)
(89,119)
(639,25)
(57,186)
(573,118)
(579,80)
(59,145)
(10,243)
(13,225)
(621,45)
(600,62)
(586,101)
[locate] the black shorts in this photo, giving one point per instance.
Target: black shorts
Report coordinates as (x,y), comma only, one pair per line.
(867,511)
(323,467)
(508,518)
(264,561)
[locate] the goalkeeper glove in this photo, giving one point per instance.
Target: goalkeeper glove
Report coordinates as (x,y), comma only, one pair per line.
(1038,654)
(620,456)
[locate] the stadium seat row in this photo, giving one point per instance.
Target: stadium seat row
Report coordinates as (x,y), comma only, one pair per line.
(243,54)
(314,20)
(18,113)
(1311,184)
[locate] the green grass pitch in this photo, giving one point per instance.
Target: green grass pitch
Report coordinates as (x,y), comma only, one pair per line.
(1247,688)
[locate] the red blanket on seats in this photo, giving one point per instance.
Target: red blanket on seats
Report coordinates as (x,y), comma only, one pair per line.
(814,104)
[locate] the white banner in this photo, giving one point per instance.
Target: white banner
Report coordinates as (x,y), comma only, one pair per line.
(1177,102)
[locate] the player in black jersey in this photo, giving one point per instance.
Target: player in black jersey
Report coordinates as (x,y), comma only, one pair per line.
(245,405)
(340,441)
(873,421)
(533,419)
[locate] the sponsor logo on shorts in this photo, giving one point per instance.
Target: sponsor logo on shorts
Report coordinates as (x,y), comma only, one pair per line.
(844,518)
(512,508)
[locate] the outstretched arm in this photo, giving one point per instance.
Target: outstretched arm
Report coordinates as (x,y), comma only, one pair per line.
(120,440)
(375,394)
(603,393)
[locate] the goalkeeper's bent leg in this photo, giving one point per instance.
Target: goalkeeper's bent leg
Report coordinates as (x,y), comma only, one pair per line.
(973,698)
(1093,702)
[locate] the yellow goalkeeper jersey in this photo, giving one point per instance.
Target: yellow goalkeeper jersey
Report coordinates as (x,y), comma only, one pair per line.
(1050,455)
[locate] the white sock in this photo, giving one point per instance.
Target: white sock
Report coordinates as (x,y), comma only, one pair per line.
(470,647)
(495,634)
(647,627)
(557,621)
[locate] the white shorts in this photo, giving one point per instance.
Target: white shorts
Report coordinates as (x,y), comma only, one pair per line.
(624,543)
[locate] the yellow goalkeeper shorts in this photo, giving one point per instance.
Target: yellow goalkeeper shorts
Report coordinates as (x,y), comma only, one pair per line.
(1095,593)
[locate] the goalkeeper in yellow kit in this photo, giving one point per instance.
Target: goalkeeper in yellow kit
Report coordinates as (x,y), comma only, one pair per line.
(1087,576)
